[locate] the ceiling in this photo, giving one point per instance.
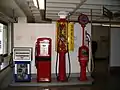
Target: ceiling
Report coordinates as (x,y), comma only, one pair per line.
(74,7)
(94,6)
(9,9)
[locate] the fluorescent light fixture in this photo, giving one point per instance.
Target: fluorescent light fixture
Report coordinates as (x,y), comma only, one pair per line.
(107,25)
(40,4)
(35,3)
(96,24)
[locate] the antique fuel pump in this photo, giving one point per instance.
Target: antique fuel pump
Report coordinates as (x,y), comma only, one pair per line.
(83,52)
(43,59)
(64,43)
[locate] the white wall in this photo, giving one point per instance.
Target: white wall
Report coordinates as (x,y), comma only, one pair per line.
(25,35)
(115,47)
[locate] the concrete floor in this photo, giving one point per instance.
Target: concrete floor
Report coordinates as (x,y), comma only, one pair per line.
(103,81)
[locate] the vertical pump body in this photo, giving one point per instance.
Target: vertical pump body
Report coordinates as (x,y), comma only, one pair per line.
(43,59)
(83,52)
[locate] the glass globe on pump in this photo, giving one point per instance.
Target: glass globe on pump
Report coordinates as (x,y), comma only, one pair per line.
(63,14)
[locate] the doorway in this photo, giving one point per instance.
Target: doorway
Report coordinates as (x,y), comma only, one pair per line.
(101,35)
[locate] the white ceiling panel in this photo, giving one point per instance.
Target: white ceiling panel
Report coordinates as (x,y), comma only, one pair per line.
(92,6)
(63,1)
(59,9)
(61,4)
(103,2)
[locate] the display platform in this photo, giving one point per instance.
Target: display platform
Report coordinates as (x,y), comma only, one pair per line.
(54,82)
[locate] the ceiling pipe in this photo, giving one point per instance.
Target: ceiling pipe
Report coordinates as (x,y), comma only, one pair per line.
(6,17)
(77,7)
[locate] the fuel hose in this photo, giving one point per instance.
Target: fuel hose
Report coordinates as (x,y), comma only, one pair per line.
(92,61)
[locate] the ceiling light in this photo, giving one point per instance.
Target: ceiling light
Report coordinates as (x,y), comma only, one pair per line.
(35,3)
(40,4)
(96,24)
(112,25)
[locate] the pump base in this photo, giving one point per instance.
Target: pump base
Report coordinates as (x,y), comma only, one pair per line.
(71,82)
(82,79)
(59,80)
(83,64)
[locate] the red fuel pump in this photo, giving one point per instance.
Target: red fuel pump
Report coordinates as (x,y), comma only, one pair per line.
(83,53)
(43,59)
(62,47)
